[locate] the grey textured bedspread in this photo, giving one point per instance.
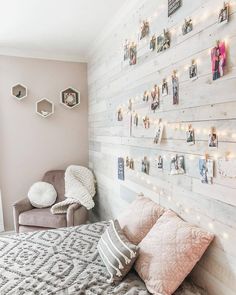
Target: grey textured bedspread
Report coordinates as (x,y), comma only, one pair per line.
(63,261)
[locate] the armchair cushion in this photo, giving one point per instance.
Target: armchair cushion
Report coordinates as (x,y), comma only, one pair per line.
(57,179)
(42,218)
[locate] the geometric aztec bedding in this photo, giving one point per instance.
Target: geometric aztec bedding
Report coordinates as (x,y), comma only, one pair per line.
(62,261)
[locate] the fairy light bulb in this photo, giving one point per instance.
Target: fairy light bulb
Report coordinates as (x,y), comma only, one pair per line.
(225,235)
(211,225)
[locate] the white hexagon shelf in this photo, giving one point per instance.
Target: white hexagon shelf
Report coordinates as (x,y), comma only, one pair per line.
(44,107)
(19,91)
(70,97)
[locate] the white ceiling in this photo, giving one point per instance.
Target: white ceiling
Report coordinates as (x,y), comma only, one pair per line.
(54,29)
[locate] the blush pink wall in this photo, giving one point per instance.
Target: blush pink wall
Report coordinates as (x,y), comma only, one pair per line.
(30,144)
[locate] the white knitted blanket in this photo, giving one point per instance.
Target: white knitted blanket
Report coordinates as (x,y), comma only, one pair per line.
(79,188)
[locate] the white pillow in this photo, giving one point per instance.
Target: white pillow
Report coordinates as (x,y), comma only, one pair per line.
(42,195)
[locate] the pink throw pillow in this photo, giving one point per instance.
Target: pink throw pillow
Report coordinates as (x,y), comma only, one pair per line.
(139,218)
(169,252)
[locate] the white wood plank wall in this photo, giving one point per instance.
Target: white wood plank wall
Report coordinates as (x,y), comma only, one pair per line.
(203,103)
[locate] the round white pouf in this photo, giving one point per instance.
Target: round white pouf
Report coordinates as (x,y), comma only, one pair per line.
(42,195)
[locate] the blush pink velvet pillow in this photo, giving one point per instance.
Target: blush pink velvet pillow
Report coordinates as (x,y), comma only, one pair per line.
(139,218)
(169,252)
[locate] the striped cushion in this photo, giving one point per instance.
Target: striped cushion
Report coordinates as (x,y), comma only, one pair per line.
(116,251)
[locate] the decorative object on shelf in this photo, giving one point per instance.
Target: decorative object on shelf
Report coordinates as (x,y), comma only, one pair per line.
(173,5)
(177,166)
(160,162)
(175,87)
(44,107)
(19,91)
(145,165)
(193,70)
(70,97)
(164,88)
(153,43)
(133,54)
(146,96)
(187,26)
(126,50)
(206,170)
(145,28)
(135,120)
(121,169)
(190,136)
(146,122)
(224,14)
(163,41)
(119,115)
(227,167)
(218,60)
(159,132)
(155,94)
(213,139)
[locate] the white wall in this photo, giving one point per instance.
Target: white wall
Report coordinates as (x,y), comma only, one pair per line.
(203,103)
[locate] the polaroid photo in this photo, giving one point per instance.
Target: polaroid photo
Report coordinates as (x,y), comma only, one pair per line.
(227,167)
(145,166)
(126,50)
(193,71)
(153,43)
(133,54)
(213,140)
(175,88)
(224,14)
(146,122)
(187,26)
(121,169)
(160,162)
(206,170)
(177,166)
(146,96)
(218,60)
(135,120)
(145,28)
(190,136)
(159,133)
(173,6)
(164,88)
(119,115)
(155,94)
(163,41)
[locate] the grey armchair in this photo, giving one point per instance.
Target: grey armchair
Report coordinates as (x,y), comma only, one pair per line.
(27,218)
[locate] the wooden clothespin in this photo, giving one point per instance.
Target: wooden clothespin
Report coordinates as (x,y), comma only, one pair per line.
(206,156)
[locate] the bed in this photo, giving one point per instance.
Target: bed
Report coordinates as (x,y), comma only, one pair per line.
(62,261)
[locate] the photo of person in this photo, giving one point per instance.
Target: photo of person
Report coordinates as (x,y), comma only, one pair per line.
(193,70)
(177,165)
(159,132)
(126,50)
(218,60)
(155,98)
(146,122)
(164,88)
(175,87)
(224,14)
(133,54)
(153,43)
(136,119)
(144,29)
(213,140)
(190,136)
(206,170)
(145,166)
(146,96)
(155,92)
(119,115)
(160,162)
(163,41)
(187,26)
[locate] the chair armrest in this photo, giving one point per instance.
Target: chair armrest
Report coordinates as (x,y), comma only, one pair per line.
(18,208)
(70,214)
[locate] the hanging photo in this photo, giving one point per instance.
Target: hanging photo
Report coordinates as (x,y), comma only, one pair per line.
(218,60)
(126,50)
(144,29)
(224,14)
(206,170)
(213,139)
(190,138)
(133,54)
(131,164)
(177,165)
(153,43)
(175,87)
(146,122)
(193,70)
(163,41)
(121,169)
(127,162)
(135,120)
(164,88)
(146,96)
(130,105)
(145,166)
(160,162)
(173,5)
(187,26)
(119,115)
(155,94)
(159,132)
(227,167)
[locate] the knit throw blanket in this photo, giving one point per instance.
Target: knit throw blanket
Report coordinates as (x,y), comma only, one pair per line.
(79,188)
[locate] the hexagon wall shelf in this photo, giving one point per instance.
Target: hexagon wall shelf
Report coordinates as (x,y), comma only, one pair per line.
(19,91)
(70,97)
(44,107)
